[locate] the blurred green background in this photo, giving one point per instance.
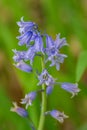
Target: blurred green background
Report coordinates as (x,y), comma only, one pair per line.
(68,17)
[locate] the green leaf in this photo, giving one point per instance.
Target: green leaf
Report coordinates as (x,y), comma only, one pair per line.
(83,127)
(81,65)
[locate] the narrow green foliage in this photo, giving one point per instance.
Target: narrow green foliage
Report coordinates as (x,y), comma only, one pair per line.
(81,65)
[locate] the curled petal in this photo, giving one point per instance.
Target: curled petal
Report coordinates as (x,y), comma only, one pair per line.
(22,23)
(23,66)
(26,26)
(72,88)
(59,42)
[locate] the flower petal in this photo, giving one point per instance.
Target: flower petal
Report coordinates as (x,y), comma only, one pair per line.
(38,44)
(49,42)
(25,38)
(60,42)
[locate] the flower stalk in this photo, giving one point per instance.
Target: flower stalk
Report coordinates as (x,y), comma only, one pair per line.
(43,106)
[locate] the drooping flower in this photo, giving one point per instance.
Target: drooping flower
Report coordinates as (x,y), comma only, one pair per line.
(52,47)
(19,55)
(53,52)
(23,66)
(45,78)
(56,59)
(26,26)
(71,87)
(20,111)
(28,31)
(60,116)
(28,99)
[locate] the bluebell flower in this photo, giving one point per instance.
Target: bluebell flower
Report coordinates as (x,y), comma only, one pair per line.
(23,66)
(52,47)
(20,111)
(60,116)
(71,87)
(26,26)
(45,78)
(28,99)
(53,52)
(56,59)
(19,55)
(28,31)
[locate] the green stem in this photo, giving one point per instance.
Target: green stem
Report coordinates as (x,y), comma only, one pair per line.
(43,106)
(31,124)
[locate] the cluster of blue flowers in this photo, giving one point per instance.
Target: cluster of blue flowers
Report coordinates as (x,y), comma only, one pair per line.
(33,39)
